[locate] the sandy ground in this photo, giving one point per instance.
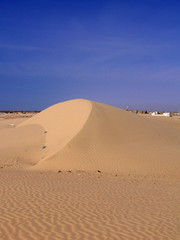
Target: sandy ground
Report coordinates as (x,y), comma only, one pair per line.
(77,205)
(56,192)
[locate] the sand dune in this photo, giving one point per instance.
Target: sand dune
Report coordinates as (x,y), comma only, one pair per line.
(85,135)
(134,197)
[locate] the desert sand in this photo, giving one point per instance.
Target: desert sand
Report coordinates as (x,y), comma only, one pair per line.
(86,170)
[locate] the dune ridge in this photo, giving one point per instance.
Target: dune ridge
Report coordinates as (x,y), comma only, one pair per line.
(61,122)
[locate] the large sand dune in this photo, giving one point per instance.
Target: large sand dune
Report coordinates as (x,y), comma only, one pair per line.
(85,135)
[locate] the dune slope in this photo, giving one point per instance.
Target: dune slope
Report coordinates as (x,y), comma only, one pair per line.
(89,136)
(61,122)
(118,141)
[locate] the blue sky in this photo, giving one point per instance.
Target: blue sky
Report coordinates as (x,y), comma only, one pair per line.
(123,53)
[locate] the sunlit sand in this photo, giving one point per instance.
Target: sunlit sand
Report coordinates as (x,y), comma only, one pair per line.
(86,170)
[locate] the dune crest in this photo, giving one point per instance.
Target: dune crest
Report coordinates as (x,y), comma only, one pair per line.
(61,122)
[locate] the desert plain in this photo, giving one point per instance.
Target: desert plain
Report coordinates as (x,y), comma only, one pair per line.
(86,170)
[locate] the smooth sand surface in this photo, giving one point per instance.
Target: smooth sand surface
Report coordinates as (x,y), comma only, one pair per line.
(135,194)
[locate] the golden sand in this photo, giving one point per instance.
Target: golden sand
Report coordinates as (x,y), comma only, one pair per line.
(85,170)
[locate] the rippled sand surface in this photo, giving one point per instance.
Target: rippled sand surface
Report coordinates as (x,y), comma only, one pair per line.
(81,205)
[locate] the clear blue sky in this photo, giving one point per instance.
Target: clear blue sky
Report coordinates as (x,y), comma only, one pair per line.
(124,53)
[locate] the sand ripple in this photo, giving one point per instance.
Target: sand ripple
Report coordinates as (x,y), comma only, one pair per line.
(36,205)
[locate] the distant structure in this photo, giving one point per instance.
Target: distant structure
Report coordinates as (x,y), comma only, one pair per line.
(160,114)
(164,114)
(154,113)
(17,112)
(175,113)
(167,114)
(138,111)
